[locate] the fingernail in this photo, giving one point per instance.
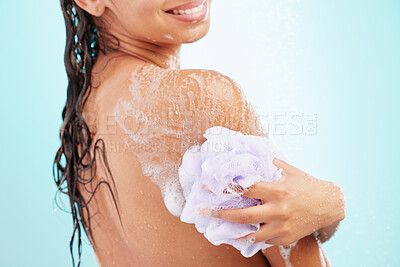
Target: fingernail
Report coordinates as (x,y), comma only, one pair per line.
(275,161)
(205,212)
(206,188)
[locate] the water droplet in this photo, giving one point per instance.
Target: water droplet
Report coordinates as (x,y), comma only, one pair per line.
(174,113)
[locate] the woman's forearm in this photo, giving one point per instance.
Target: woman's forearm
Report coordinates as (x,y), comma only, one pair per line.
(327,232)
(307,252)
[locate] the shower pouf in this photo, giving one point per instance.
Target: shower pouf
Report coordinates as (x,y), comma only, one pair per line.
(227,158)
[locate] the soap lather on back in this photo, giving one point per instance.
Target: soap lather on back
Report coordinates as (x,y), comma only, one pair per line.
(171,115)
(155,118)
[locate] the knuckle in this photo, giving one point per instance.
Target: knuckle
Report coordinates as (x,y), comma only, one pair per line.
(279,191)
(285,211)
(283,193)
(262,185)
(257,189)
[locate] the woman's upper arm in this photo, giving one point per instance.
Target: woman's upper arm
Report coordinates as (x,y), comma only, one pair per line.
(225,103)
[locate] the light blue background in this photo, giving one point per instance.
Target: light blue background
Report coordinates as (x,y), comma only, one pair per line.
(337,59)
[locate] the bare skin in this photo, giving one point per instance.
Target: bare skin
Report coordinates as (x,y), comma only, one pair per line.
(305,253)
(149,235)
(287,209)
(152,237)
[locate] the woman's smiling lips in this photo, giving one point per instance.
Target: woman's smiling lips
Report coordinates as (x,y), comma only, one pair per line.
(192,12)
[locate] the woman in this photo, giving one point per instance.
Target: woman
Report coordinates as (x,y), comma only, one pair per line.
(130,115)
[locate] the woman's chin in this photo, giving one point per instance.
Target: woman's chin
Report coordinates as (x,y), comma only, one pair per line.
(194,35)
(192,39)
(182,38)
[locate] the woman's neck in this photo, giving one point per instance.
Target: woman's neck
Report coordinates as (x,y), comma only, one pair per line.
(165,56)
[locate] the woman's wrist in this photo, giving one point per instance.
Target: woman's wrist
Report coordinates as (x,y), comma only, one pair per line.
(338,203)
(333,207)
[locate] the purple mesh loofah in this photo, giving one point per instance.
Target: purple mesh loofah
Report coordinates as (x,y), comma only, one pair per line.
(227,157)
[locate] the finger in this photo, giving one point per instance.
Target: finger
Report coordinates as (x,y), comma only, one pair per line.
(262,190)
(280,164)
(206,188)
(276,241)
(255,191)
(280,241)
(266,232)
(254,214)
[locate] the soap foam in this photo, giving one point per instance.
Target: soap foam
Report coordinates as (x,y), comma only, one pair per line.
(285,253)
(169,117)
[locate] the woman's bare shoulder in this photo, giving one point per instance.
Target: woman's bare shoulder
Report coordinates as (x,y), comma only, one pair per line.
(127,75)
(210,94)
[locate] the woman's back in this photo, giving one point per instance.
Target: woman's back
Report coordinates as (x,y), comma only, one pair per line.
(147,118)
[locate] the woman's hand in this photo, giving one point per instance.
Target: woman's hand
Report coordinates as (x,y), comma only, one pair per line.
(291,208)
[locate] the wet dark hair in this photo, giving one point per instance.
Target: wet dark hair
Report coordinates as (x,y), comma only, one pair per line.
(73,159)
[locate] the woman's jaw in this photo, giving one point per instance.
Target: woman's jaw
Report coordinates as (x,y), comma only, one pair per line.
(155,33)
